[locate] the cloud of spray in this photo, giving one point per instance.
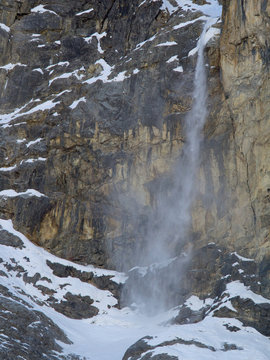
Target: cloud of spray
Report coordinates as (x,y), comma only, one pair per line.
(151,286)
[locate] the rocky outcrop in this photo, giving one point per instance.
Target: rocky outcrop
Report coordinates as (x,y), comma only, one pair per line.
(137,350)
(29,334)
(104,282)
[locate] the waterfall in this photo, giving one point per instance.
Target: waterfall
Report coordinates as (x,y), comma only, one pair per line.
(167,227)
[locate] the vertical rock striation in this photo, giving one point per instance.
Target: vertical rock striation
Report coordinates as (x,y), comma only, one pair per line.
(93,120)
(236,160)
(245,77)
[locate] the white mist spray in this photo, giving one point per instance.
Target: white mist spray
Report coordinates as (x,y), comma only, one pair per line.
(168,225)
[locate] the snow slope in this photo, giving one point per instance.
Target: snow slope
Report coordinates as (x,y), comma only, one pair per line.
(109,334)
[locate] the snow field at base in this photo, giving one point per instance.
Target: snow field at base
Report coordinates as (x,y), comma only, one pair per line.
(109,334)
(212,332)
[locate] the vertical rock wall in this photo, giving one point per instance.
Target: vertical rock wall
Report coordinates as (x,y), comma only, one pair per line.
(244,60)
(245,77)
(233,209)
(92,112)
(91,116)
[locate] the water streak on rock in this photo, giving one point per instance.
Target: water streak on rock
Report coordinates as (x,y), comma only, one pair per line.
(168,225)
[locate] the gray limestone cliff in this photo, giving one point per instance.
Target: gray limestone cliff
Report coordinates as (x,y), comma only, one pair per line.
(92,114)
(239,139)
(94,110)
(93,98)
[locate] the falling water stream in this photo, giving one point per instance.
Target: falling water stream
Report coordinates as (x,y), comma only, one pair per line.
(168,225)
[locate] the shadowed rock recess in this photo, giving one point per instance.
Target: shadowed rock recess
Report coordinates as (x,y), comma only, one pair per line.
(93,98)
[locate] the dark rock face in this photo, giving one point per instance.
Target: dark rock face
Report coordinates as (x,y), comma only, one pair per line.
(137,350)
(30,334)
(75,306)
(10,240)
(101,282)
(89,138)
